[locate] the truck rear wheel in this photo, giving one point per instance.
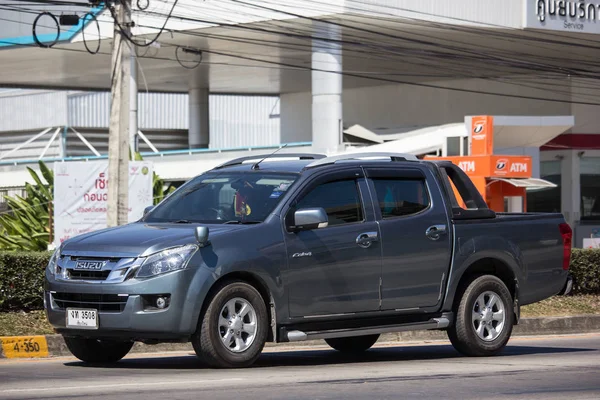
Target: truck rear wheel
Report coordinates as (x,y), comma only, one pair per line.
(484,318)
(97,351)
(233,330)
(355,344)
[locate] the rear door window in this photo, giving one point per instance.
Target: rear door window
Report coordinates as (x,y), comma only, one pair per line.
(401,197)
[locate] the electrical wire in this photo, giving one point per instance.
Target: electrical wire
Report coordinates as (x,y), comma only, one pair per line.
(130,38)
(139,2)
(154,28)
(83,34)
(346,42)
(34,30)
(188,50)
(536,68)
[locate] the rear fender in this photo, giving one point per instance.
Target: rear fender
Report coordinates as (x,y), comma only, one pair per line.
(477,251)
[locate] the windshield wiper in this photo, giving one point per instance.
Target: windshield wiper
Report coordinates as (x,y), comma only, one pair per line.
(182,221)
(234,221)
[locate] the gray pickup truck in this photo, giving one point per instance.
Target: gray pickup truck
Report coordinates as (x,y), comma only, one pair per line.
(301,246)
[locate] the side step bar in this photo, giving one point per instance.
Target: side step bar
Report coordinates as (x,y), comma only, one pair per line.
(434,323)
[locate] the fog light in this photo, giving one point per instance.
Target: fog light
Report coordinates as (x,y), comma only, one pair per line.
(161,302)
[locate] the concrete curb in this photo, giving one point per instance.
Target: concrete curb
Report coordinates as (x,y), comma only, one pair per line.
(56,347)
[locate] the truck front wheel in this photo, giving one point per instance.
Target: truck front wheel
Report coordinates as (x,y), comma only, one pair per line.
(484,318)
(97,351)
(233,330)
(355,344)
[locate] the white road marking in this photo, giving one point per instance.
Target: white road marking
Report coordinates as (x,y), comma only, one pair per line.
(120,385)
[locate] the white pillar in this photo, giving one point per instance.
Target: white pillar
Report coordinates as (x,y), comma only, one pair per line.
(198,134)
(570,191)
(327,89)
(133,106)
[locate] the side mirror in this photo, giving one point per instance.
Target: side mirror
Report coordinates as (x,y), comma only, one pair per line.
(148,209)
(202,236)
(310,218)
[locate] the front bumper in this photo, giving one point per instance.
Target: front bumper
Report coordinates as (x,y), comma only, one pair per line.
(132,318)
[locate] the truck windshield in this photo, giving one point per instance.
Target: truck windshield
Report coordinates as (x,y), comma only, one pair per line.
(218,198)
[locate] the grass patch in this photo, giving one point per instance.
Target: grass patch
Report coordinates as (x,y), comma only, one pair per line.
(35,322)
(563,306)
(24,323)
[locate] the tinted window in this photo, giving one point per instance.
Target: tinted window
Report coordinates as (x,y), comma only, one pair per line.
(399,197)
(236,197)
(340,200)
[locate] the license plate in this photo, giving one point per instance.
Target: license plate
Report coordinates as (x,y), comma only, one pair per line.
(82,318)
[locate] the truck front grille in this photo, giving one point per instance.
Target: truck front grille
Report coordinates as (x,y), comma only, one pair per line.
(88,275)
(101,302)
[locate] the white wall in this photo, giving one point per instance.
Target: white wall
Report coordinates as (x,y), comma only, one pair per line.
(587,117)
(296,117)
(403,106)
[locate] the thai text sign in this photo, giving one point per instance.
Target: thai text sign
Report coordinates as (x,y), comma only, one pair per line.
(562,15)
(81,193)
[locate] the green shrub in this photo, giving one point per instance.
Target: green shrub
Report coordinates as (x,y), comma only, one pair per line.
(22,277)
(22,280)
(585,268)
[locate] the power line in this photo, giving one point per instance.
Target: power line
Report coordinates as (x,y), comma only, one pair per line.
(391,50)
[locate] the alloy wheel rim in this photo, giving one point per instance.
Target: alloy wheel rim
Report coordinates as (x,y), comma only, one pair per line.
(488,316)
(237,325)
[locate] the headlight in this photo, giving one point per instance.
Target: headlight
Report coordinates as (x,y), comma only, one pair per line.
(53,263)
(166,261)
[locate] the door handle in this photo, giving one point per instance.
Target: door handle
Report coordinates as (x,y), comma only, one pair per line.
(434,232)
(365,239)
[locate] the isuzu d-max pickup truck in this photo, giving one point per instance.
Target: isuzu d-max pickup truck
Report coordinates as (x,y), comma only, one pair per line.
(292,247)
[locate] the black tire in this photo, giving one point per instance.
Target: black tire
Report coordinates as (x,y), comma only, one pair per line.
(463,333)
(97,351)
(354,344)
(207,340)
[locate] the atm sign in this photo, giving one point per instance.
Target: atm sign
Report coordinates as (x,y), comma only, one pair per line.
(510,166)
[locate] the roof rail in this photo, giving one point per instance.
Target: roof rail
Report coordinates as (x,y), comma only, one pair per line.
(357,156)
(300,156)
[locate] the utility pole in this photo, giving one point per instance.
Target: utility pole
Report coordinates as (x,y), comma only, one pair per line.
(118,132)
(133,105)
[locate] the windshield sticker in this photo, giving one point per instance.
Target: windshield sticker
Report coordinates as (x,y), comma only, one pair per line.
(275,194)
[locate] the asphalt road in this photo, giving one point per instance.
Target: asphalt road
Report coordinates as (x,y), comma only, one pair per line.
(562,367)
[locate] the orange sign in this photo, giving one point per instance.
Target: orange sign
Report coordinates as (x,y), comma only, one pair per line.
(482,135)
(510,166)
(492,166)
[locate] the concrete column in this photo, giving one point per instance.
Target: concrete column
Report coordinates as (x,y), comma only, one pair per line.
(570,191)
(198,134)
(326,89)
(133,106)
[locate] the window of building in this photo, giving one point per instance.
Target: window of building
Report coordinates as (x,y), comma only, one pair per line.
(590,188)
(547,200)
(340,199)
(400,197)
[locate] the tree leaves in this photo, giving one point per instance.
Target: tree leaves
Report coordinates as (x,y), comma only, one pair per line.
(25,226)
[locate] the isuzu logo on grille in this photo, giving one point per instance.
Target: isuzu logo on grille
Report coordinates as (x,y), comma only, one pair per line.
(90,265)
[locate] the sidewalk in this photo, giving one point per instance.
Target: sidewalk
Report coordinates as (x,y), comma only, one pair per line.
(54,345)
